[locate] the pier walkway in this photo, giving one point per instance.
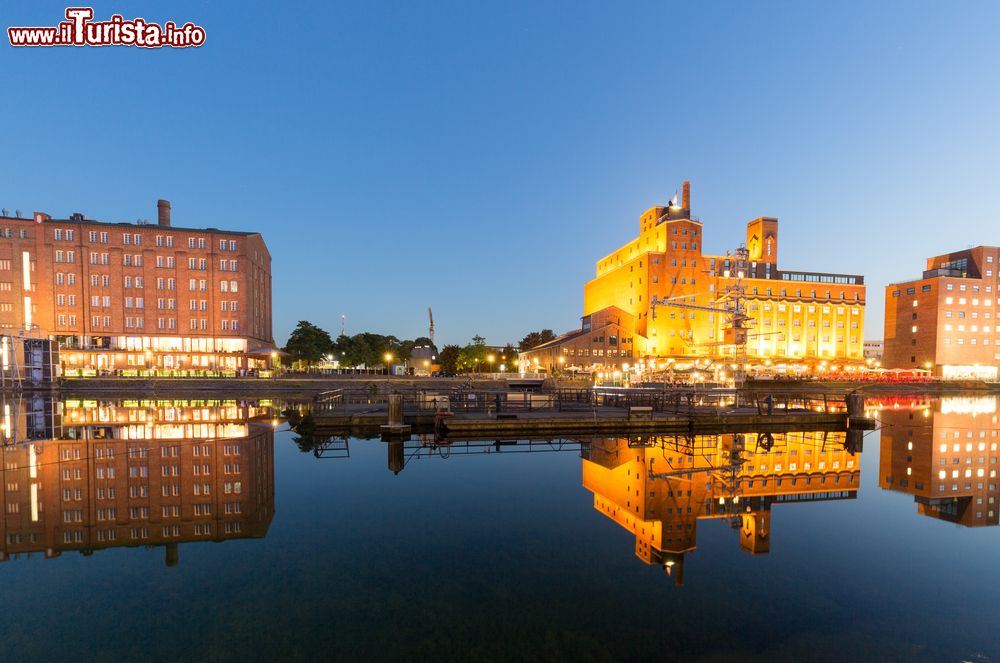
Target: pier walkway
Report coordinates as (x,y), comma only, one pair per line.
(486,414)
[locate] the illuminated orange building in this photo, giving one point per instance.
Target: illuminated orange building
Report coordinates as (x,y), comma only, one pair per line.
(630,486)
(141,473)
(946,457)
(797,317)
(138,297)
(946,322)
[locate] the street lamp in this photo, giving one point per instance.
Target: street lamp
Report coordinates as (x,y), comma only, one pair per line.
(490,359)
(388,362)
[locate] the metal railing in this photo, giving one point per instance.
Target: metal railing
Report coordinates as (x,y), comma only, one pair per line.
(670,401)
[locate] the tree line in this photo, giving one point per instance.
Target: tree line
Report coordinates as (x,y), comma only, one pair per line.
(309,345)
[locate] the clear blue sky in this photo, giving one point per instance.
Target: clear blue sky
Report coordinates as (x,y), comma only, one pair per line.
(478,157)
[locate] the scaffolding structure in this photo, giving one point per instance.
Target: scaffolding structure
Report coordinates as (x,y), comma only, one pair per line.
(731,303)
(27,362)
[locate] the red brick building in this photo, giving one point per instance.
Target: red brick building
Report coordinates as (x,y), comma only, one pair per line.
(945,321)
(124,297)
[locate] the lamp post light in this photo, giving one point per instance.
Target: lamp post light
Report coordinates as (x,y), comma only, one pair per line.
(388,363)
(274,364)
(490,359)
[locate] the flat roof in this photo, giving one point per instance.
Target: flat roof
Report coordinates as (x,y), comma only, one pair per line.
(130,224)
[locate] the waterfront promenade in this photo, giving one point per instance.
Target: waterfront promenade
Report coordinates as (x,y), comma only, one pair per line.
(308,385)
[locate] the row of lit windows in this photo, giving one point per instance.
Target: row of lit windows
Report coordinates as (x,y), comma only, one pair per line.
(598,352)
(961,301)
(972,341)
(943,474)
(961,328)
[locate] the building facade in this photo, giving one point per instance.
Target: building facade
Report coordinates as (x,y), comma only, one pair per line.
(874,350)
(606,338)
(944,322)
(674,295)
(138,297)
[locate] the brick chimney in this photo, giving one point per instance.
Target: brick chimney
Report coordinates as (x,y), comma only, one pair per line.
(686,195)
(163,212)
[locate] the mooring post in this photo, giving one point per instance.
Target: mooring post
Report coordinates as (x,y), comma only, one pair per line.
(395,409)
(855,405)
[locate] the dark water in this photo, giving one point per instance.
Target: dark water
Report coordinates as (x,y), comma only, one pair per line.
(548,551)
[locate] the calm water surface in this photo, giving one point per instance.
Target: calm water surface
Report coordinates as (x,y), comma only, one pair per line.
(578,550)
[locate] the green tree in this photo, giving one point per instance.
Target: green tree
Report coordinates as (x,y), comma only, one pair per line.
(369,349)
(536,338)
(473,356)
(308,343)
(509,357)
(448,357)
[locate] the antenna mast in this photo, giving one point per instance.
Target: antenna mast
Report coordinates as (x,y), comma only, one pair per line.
(430,317)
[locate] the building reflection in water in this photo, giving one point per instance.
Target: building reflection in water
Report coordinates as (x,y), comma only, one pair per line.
(659,488)
(87,475)
(944,453)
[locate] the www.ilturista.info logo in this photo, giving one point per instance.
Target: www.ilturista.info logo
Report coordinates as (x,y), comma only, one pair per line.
(81,30)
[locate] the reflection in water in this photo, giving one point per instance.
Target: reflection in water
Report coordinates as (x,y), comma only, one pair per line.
(88,475)
(945,455)
(659,490)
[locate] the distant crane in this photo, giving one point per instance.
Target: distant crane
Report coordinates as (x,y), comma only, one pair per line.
(733,307)
(430,316)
